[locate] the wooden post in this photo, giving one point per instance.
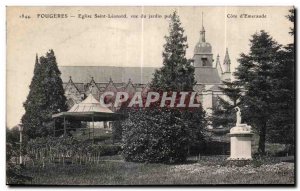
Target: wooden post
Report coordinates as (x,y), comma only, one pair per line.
(93,127)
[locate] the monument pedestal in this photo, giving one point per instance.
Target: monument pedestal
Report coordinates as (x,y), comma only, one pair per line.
(240,142)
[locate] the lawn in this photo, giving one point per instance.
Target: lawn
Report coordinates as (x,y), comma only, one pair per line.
(207,170)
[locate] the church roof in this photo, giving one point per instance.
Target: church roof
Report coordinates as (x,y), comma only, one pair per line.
(207,75)
(120,75)
(83,74)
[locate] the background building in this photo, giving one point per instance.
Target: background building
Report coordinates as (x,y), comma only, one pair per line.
(82,80)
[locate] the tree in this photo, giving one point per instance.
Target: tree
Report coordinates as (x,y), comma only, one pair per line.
(282,124)
(256,75)
(224,113)
(32,120)
(155,135)
(46,97)
(164,134)
(291,17)
(177,73)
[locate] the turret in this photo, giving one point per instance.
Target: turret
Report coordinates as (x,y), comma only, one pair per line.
(226,75)
(226,62)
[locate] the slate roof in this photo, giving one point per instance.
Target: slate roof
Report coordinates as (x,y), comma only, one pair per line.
(207,75)
(121,75)
(83,74)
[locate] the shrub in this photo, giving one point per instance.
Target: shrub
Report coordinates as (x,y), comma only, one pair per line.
(155,135)
(69,146)
(104,150)
(117,131)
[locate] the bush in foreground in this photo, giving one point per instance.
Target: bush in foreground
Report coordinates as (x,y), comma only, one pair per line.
(155,135)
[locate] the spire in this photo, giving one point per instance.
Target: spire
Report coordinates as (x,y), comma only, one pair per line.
(202,32)
(218,60)
(227,62)
(218,65)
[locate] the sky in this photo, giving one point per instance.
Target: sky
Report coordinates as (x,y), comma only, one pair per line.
(123,41)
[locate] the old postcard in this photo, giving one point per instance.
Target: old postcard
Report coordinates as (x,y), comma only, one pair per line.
(150,95)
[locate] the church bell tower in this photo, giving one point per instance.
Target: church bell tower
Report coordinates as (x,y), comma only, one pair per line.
(203,56)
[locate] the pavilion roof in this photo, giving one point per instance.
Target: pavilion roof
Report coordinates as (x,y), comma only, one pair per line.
(90,104)
(89,109)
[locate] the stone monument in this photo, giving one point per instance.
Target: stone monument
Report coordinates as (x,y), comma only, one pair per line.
(240,139)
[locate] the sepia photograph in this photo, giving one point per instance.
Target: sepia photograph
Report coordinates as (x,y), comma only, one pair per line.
(150,95)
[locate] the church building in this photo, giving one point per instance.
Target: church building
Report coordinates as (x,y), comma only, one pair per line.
(79,81)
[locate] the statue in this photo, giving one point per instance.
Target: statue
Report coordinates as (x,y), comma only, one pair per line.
(240,140)
(238,116)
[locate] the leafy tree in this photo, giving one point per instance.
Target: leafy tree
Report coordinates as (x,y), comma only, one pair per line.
(255,73)
(46,97)
(155,135)
(224,113)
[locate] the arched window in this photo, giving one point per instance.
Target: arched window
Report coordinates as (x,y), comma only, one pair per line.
(70,103)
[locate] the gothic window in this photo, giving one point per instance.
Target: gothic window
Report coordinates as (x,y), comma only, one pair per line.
(70,103)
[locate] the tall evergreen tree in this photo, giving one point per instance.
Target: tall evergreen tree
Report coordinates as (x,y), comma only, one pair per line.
(46,97)
(177,73)
(32,119)
(255,74)
(282,125)
(165,134)
(224,113)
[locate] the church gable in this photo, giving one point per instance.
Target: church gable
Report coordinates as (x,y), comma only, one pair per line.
(110,87)
(130,88)
(93,89)
(72,93)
